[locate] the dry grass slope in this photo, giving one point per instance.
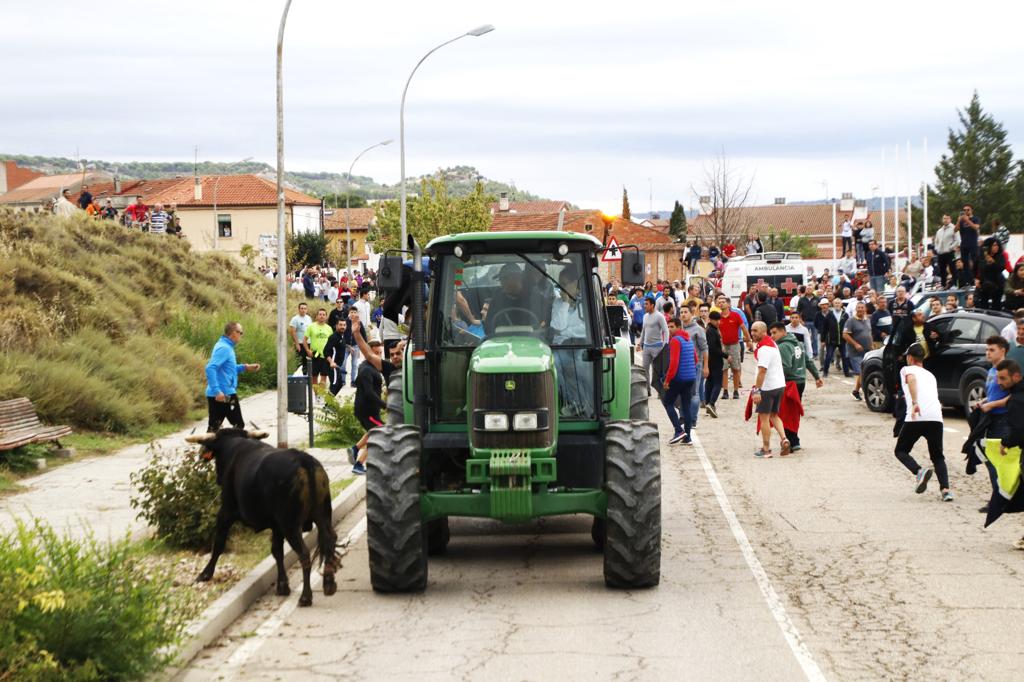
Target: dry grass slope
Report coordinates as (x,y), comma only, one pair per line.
(109,330)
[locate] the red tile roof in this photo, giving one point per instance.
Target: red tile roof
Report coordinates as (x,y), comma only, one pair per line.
(229,190)
(102,191)
(18,176)
(359,218)
(804,219)
(47,187)
(626,231)
(528,207)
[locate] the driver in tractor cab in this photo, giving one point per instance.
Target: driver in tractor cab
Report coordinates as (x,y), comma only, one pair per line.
(513,304)
(569,326)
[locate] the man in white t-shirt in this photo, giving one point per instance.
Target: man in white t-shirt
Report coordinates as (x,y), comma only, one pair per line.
(768,389)
(923,420)
(297,329)
(1009,332)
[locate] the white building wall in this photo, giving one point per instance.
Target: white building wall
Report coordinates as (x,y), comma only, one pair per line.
(306,219)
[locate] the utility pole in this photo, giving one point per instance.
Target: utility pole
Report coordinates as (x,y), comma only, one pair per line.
(282,265)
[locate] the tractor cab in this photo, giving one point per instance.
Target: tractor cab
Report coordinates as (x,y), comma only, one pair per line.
(516,401)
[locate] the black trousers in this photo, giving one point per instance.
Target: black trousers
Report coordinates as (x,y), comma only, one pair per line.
(792,436)
(947,261)
(932,433)
(230,410)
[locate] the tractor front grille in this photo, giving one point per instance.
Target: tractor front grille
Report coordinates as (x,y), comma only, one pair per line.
(510,393)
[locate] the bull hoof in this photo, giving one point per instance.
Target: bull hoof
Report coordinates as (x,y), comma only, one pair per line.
(306,600)
(205,577)
(283,590)
(330,586)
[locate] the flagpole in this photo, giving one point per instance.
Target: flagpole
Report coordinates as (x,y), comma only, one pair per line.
(882,210)
(910,204)
(924,176)
(896,208)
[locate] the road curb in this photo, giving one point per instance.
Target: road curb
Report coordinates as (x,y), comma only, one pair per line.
(233,603)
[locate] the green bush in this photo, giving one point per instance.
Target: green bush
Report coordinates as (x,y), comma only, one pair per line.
(340,427)
(82,609)
(179,496)
(259,343)
(24,458)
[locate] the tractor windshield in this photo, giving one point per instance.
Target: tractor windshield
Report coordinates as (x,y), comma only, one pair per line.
(514,293)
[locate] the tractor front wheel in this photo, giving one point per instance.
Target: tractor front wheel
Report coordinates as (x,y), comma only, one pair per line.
(632,542)
(395,531)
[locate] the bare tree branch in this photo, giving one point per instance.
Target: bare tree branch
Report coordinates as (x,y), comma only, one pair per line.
(729,193)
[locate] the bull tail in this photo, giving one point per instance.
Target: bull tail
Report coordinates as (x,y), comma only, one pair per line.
(326,551)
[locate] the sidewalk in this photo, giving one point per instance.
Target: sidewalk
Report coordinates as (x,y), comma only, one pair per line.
(95,493)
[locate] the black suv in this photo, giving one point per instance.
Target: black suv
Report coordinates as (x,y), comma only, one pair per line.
(956,356)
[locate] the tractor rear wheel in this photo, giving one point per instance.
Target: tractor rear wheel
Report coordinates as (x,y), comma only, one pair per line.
(395,401)
(632,544)
(438,535)
(638,394)
(395,531)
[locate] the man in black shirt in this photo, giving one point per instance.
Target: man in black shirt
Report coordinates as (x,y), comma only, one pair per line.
(716,363)
(85,198)
(765,310)
(515,304)
(881,320)
(340,312)
(902,307)
(369,383)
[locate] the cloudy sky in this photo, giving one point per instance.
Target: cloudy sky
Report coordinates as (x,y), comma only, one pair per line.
(571,100)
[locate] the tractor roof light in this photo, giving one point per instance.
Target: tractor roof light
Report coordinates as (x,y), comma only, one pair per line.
(562,250)
(460,253)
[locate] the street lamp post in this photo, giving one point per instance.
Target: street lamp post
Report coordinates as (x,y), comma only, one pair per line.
(476,32)
(282,266)
(348,231)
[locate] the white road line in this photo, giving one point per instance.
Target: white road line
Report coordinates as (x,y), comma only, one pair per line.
(949,430)
(847,382)
(276,619)
(789,631)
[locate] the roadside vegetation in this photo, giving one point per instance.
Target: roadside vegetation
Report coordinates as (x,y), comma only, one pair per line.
(120,323)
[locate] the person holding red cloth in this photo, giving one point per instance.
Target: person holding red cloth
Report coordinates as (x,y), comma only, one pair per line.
(766,395)
(680,380)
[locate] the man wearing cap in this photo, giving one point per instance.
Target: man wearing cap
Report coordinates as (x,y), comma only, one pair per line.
(512,305)
(653,336)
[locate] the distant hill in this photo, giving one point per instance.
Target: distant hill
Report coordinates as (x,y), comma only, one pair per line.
(461,179)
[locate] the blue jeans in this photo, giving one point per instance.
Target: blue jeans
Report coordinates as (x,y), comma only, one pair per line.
(878,283)
(353,357)
(814,340)
(830,354)
(698,395)
(679,389)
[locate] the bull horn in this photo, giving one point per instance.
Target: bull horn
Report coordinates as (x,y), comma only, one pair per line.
(201,438)
(258,435)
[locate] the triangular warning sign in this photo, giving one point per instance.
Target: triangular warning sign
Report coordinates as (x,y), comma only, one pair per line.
(613,252)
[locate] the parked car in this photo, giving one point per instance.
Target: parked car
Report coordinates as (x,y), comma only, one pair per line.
(956,356)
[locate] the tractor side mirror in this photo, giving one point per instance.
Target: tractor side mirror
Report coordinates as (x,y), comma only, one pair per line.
(632,268)
(389,276)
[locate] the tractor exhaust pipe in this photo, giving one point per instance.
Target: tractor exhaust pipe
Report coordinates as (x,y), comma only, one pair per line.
(419,339)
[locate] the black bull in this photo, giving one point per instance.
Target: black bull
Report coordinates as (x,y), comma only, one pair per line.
(267,487)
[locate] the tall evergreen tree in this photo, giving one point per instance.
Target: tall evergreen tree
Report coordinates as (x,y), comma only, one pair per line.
(625,204)
(978,169)
(677,223)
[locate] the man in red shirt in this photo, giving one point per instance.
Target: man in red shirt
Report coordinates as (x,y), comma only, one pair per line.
(136,213)
(729,250)
(731,326)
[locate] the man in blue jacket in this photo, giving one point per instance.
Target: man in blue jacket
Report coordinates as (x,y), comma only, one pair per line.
(680,380)
(222,380)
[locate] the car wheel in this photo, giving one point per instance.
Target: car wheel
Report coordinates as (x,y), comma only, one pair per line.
(876,395)
(972,393)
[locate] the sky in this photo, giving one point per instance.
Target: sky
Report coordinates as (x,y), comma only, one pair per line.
(570,100)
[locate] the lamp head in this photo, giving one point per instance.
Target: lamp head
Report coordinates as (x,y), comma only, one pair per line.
(480,30)
(386,142)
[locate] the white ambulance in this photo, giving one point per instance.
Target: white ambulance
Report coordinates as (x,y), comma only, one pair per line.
(784,271)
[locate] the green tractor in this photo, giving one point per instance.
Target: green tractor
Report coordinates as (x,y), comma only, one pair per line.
(515,401)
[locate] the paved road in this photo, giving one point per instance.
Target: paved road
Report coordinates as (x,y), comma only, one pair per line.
(847,575)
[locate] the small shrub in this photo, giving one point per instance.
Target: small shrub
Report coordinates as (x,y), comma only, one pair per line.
(83,609)
(338,421)
(24,458)
(179,496)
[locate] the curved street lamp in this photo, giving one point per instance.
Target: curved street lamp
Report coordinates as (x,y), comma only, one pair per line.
(282,266)
(476,33)
(348,231)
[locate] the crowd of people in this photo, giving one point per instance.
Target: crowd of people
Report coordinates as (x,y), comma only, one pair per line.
(157,218)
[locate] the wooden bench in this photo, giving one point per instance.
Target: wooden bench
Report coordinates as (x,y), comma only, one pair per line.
(19,425)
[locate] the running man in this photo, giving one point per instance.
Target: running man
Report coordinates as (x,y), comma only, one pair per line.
(680,381)
(653,337)
(222,380)
(924,420)
(767,391)
(317,335)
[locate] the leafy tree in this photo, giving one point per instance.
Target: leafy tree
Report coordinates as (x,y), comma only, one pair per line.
(787,241)
(338,200)
(677,223)
(625,205)
(431,214)
(306,248)
(248,253)
(979,170)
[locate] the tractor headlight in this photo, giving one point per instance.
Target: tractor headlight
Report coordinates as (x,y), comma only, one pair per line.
(496,421)
(525,421)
